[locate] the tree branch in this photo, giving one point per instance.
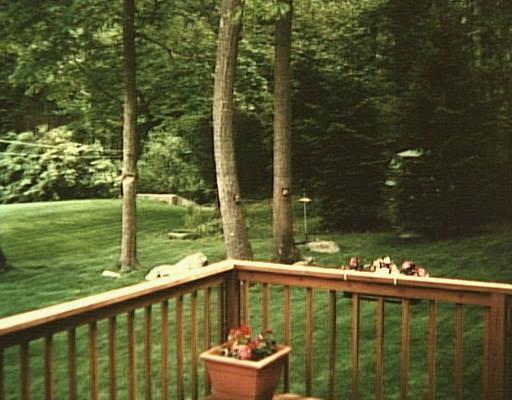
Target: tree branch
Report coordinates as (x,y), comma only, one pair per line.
(160,44)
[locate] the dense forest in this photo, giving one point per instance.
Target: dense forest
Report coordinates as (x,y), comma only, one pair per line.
(401,110)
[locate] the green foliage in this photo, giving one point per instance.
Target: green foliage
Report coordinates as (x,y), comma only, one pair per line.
(201,222)
(47,165)
(342,126)
(67,56)
(376,77)
(254,155)
(433,197)
(447,110)
(70,56)
(167,166)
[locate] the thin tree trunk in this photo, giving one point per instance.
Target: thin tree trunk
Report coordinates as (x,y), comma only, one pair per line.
(282,218)
(3,260)
(128,258)
(233,221)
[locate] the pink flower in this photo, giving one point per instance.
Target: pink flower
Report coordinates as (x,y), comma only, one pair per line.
(244,352)
(240,344)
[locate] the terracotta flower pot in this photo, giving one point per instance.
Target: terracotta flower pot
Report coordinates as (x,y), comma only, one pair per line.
(244,380)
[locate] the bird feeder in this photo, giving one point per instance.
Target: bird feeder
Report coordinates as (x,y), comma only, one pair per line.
(305,201)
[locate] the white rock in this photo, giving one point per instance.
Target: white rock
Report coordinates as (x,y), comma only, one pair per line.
(305,262)
(111,274)
(323,246)
(171,199)
(182,235)
(192,261)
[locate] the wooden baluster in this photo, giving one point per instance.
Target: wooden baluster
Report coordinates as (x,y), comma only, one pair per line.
(193,346)
(485,356)
(404,366)
(25,371)
(459,366)
(72,376)
(508,372)
(356,304)
(286,334)
(207,334)
(147,352)
(132,356)
(2,385)
(432,350)
(245,302)
(265,300)
(179,349)
(93,361)
(220,315)
(496,345)
(112,358)
(164,350)
(48,367)
(331,329)
(232,300)
(379,341)
(309,341)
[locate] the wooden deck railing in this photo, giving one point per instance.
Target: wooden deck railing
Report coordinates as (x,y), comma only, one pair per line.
(429,294)
(143,341)
(85,350)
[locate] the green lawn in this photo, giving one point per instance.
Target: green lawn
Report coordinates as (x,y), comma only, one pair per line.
(61,248)
(58,251)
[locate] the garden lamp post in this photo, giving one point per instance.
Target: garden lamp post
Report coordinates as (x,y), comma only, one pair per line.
(305,201)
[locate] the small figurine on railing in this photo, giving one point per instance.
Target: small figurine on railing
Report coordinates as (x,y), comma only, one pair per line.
(412,269)
(354,264)
(384,266)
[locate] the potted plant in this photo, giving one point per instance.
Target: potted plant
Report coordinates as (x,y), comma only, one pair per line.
(245,367)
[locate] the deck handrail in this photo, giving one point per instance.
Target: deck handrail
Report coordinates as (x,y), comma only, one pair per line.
(451,284)
(16,323)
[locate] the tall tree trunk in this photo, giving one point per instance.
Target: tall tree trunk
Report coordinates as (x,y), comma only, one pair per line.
(3,260)
(233,220)
(128,258)
(282,218)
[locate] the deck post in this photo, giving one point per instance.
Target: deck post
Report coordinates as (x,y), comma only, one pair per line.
(232,300)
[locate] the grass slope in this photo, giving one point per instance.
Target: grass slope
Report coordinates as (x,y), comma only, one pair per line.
(58,251)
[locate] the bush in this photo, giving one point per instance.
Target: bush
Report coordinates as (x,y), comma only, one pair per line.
(202,223)
(432,196)
(167,166)
(48,165)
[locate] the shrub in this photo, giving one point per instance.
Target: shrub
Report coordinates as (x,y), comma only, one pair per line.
(48,165)
(167,166)
(432,195)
